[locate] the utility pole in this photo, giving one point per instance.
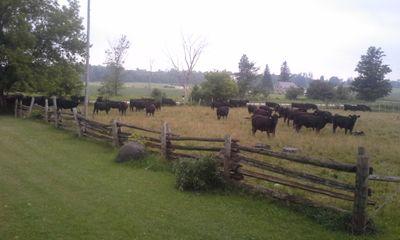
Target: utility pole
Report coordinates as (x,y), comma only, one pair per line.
(87,60)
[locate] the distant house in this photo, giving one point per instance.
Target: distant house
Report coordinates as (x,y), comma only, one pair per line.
(282,87)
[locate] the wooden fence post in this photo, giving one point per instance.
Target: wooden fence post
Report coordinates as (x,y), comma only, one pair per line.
(78,125)
(163,138)
(55,112)
(46,110)
(16,108)
(227,157)
(360,218)
(115,136)
(31,106)
(20,111)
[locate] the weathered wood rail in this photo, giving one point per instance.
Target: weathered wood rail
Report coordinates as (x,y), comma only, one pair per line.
(239,164)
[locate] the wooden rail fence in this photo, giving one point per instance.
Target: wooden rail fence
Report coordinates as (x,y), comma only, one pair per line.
(239,164)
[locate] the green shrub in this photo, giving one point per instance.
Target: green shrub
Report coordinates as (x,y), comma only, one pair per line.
(292,93)
(201,174)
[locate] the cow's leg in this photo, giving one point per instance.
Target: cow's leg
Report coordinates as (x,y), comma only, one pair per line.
(254,131)
(334,128)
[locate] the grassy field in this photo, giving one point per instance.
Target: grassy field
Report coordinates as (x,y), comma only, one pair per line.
(381,142)
(138,90)
(55,186)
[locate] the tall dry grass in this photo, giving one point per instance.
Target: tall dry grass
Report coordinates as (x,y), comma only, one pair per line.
(381,140)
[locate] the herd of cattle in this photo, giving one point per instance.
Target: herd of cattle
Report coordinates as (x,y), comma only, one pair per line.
(265,118)
(147,104)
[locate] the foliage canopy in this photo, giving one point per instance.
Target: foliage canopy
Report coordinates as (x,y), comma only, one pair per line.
(42,46)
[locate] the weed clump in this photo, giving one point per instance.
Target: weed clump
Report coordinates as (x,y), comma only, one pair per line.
(197,174)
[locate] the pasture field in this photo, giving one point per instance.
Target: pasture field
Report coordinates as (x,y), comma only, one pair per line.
(138,90)
(381,140)
(56,186)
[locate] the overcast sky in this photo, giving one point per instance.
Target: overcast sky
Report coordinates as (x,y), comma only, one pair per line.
(323,37)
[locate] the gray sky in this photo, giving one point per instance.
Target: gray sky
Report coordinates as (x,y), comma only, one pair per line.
(323,37)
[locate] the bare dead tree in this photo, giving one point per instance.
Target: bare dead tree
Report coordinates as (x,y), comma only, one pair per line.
(192,48)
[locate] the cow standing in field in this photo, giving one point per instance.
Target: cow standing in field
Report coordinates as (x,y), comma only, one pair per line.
(123,106)
(238,103)
(291,114)
(344,122)
(316,122)
(101,106)
(266,108)
(272,105)
(251,108)
(222,112)
(150,109)
(217,104)
(264,124)
(305,106)
(358,107)
(262,112)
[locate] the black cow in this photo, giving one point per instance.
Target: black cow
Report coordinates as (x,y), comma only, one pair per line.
(262,112)
(217,104)
(327,115)
(101,106)
(138,104)
(272,105)
(150,109)
(223,112)
(238,102)
(168,102)
(264,124)
(363,108)
(344,122)
(79,99)
(283,112)
(266,108)
(66,104)
(358,107)
(305,106)
(310,121)
(123,106)
(292,113)
(251,108)
(114,104)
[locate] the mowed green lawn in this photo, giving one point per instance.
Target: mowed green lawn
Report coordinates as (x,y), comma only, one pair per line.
(56,186)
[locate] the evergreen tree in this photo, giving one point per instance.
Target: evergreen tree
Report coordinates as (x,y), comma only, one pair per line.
(266,83)
(371,83)
(246,75)
(285,73)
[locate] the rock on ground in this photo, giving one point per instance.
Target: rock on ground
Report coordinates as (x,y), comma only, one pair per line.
(131,151)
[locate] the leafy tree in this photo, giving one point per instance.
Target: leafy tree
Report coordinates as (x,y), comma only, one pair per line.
(342,93)
(335,81)
(321,90)
(246,75)
(218,86)
(115,58)
(41,47)
(302,79)
(285,73)
(292,93)
(371,83)
(157,94)
(196,94)
(266,82)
